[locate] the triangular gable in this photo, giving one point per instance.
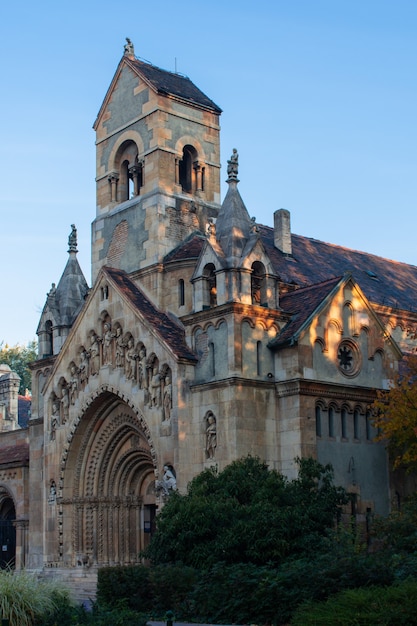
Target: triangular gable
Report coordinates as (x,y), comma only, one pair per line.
(162,326)
(305,304)
(161,82)
(211,253)
(255,251)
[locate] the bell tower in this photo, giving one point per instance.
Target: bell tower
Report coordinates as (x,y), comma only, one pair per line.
(157,165)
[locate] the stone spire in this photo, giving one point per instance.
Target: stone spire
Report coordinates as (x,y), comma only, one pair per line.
(233,226)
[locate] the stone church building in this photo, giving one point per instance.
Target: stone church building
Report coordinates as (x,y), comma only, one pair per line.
(203,338)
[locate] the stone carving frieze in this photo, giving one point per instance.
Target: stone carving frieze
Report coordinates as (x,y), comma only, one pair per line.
(111,347)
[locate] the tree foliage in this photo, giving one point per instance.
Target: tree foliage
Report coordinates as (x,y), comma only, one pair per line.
(247,513)
(396,416)
(17,358)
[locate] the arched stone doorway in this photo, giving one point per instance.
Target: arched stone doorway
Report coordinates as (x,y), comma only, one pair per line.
(7,530)
(108,497)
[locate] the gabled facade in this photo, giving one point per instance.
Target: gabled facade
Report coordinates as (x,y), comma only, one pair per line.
(205,337)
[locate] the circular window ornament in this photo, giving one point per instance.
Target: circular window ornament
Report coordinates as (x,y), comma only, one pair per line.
(348,357)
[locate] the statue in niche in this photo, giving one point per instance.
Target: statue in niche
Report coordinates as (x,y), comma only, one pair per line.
(65,401)
(155,389)
(130,359)
(167,404)
(55,417)
(52,492)
(94,355)
(119,357)
(232,165)
(73,384)
(83,368)
(168,482)
(107,340)
(142,380)
(211,436)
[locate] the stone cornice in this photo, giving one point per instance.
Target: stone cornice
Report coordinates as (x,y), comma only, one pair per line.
(235,308)
(324,390)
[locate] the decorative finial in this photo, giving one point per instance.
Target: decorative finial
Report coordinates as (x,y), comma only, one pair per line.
(129,48)
(232,167)
(72,239)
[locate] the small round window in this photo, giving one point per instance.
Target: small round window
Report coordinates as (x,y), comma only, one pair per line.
(348,357)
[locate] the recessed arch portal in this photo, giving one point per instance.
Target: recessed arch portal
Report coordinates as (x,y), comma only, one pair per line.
(108,500)
(7,529)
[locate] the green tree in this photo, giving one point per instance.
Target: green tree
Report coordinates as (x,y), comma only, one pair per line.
(247,513)
(17,358)
(396,416)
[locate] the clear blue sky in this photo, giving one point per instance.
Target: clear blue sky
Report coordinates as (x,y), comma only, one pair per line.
(319,98)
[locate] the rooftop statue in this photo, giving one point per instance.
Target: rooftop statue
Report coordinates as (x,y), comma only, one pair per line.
(72,239)
(232,166)
(129,48)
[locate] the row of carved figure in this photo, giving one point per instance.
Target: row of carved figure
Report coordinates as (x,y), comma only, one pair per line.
(119,350)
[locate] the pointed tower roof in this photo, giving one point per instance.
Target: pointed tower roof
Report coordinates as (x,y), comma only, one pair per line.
(72,287)
(65,300)
(233,225)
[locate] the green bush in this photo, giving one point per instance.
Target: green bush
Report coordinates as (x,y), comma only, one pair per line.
(130,584)
(371,606)
(27,601)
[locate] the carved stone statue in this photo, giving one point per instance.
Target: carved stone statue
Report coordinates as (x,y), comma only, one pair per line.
(73,384)
(211,436)
(232,165)
(129,49)
(130,359)
(72,239)
(155,389)
(54,417)
(83,368)
(94,355)
(65,401)
(167,405)
(142,380)
(168,482)
(119,357)
(107,343)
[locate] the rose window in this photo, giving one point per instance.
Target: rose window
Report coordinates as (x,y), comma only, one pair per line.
(348,357)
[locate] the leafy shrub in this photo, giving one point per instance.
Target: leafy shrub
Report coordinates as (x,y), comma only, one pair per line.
(385,606)
(130,584)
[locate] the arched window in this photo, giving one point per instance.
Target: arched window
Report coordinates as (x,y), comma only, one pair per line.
(331,422)
(125,183)
(356,424)
(49,339)
(259,358)
(258,289)
(189,155)
(343,423)
(181,292)
(368,425)
(318,421)
(210,295)
(212,358)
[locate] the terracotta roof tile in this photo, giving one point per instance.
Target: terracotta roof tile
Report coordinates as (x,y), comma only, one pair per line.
(189,249)
(171,83)
(301,304)
(18,454)
(383,281)
(169,331)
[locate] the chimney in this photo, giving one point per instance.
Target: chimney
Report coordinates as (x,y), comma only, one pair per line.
(282,231)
